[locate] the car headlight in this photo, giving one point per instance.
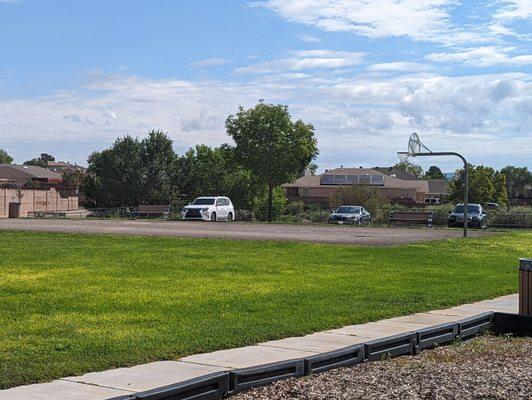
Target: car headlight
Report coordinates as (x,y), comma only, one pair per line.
(205,209)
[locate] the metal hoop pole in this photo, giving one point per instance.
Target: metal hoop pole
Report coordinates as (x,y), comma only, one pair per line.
(466,178)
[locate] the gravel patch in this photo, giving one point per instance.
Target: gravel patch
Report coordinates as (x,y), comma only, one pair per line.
(487,367)
(374,236)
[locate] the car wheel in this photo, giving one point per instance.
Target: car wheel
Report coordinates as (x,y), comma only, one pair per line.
(359,222)
(230,217)
(449,225)
(213,217)
(484,224)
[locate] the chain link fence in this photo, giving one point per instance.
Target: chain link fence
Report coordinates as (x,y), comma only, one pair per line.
(519,217)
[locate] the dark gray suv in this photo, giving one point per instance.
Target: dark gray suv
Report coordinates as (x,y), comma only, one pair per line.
(476,216)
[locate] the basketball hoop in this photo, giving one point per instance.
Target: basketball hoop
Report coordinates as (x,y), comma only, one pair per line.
(418,149)
(403,156)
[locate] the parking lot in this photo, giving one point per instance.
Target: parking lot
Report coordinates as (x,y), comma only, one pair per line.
(379,236)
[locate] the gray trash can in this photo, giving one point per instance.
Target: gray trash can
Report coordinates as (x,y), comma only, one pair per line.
(14,210)
(525,286)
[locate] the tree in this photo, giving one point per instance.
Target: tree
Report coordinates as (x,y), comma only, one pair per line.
(410,167)
(313,167)
(157,156)
(485,185)
(5,158)
(364,195)
(73,178)
(204,171)
(516,180)
(434,173)
(115,175)
(41,161)
(275,149)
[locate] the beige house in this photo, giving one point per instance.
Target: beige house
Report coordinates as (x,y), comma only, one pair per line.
(31,200)
(14,181)
(319,189)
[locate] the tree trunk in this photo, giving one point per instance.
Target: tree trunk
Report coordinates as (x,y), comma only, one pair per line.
(270,201)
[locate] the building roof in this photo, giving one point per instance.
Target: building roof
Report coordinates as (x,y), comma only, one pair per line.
(352,171)
(305,181)
(58,166)
(25,172)
(314,181)
(440,186)
(398,173)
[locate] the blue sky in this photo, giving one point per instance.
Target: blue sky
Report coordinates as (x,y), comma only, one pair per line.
(75,75)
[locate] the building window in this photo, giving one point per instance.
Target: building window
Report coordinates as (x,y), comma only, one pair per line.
(305,192)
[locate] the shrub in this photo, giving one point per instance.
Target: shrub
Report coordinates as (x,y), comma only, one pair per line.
(363,195)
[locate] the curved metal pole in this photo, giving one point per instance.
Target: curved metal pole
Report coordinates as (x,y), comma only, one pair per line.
(466,178)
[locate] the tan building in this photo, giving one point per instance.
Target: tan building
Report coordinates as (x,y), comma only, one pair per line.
(319,189)
(31,200)
(14,182)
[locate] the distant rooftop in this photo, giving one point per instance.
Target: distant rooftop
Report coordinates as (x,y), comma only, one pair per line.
(20,172)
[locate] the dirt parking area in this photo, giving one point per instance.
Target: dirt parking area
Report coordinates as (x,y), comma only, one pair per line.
(239,230)
(487,367)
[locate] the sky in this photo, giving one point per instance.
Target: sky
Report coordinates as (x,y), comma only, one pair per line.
(76,75)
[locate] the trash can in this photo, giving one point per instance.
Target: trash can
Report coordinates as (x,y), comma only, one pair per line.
(525,286)
(14,210)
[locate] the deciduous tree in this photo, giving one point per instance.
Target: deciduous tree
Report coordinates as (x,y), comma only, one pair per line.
(516,180)
(410,167)
(434,173)
(5,158)
(275,149)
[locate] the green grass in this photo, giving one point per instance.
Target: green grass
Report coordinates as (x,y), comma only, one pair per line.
(70,304)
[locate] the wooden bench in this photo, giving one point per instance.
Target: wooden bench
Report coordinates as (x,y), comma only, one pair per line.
(412,217)
(153,210)
(46,214)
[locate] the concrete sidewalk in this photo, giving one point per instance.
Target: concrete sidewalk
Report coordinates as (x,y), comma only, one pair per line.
(123,381)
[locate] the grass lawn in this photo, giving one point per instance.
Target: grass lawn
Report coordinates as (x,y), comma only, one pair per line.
(70,304)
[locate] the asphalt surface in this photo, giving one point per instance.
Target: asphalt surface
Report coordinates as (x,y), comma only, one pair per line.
(239,230)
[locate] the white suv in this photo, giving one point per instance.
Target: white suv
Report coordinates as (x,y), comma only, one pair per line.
(210,209)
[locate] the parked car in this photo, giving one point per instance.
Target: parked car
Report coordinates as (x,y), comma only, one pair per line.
(476,216)
(210,209)
(355,215)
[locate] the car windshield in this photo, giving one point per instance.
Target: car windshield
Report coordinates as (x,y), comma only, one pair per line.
(348,210)
(470,209)
(203,202)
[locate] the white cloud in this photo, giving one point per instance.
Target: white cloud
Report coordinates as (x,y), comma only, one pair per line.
(402,66)
(428,20)
(483,57)
(210,62)
(306,60)
(308,38)
(514,9)
(358,120)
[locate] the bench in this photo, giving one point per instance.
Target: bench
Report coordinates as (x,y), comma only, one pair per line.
(158,210)
(412,217)
(46,214)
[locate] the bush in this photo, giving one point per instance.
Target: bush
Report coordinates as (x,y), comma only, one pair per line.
(363,195)
(295,207)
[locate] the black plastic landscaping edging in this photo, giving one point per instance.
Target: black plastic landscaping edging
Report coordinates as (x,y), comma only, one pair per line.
(224,384)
